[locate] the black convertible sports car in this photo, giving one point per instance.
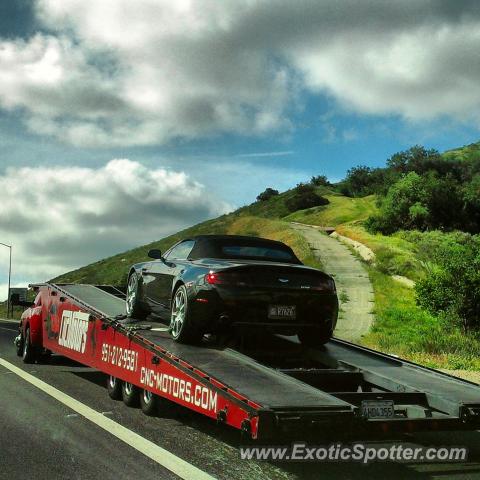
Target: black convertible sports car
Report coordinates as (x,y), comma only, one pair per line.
(213,283)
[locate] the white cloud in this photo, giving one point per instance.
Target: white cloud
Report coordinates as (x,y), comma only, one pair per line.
(118,72)
(420,73)
(59,218)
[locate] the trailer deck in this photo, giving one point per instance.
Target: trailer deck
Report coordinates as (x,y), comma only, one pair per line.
(263,386)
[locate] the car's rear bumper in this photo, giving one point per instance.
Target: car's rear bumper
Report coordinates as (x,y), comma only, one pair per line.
(220,308)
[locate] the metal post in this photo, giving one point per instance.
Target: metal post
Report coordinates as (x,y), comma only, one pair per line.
(9,278)
(10,307)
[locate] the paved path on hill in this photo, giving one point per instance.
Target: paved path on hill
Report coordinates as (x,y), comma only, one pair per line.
(352,281)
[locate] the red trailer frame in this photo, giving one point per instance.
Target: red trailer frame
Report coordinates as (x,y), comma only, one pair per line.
(79,332)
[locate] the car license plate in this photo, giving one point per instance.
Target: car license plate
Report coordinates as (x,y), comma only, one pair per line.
(282,311)
(378,409)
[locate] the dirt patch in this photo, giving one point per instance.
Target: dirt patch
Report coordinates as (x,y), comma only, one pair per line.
(354,288)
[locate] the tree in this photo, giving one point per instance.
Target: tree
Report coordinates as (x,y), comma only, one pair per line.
(416,159)
(320,181)
(422,202)
(267,194)
(404,207)
(358,181)
(444,200)
(471,197)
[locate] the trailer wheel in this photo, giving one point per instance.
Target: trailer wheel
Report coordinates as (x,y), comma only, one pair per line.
(114,388)
(130,394)
(29,353)
(148,402)
(132,301)
(314,337)
(181,327)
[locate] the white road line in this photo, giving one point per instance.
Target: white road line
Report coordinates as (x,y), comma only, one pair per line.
(163,457)
(9,329)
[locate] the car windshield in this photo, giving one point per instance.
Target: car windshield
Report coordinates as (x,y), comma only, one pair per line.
(247,251)
(255,251)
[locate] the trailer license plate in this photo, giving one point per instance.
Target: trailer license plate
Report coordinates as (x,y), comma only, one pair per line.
(378,409)
(282,311)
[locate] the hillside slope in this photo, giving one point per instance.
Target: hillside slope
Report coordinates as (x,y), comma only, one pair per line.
(114,270)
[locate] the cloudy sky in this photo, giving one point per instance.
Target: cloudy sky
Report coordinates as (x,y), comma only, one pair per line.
(124,120)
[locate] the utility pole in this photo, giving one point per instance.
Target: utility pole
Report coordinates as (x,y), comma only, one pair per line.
(9,278)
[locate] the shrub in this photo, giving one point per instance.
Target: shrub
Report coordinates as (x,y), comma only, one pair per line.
(305,199)
(453,286)
(267,194)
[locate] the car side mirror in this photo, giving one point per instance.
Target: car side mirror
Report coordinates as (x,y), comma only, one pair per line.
(155,253)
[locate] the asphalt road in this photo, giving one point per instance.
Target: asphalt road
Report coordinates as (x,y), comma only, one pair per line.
(42,438)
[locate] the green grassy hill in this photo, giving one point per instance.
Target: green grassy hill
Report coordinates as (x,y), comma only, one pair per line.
(466,153)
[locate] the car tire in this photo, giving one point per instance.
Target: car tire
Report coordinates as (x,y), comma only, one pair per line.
(114,388)
(29,354)
(148,402)
(19,345)
(314,337)
(132,301)
(130,394)
(181,327)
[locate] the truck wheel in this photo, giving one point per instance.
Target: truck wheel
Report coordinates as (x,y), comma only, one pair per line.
(130,394)
(29,353)
(148,403)
(132,301)
(114,388)
(314,337)
(181,327)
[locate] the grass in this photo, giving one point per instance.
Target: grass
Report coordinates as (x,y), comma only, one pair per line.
(275,208)
(466,153)
(404,329)
(343,297)
(394,255)
(341,210)
(17,311)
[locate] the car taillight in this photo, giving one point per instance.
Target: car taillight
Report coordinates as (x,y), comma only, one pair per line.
(214,278)
(324,285)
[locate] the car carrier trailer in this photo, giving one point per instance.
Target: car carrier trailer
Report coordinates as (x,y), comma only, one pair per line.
(266,388)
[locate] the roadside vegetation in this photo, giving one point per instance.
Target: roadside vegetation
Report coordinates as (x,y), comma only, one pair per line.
(426,228)
(403,328)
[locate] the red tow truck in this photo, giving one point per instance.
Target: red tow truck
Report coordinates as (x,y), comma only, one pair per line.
(266,389)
